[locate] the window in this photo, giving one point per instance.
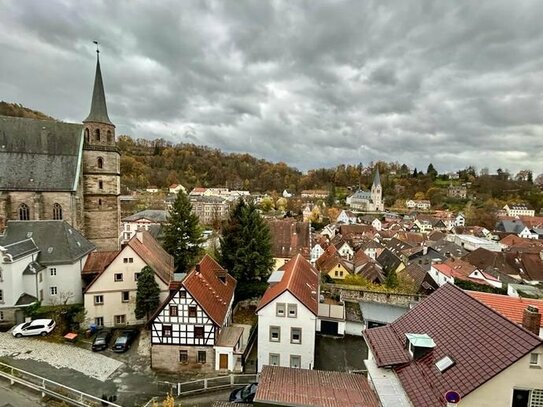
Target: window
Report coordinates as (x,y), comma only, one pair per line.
(280,309)
(100,162)
(202,356)
(24,212)
(182,294)
(534,359)
(109,136)
(167,330)
(53,271)
(53,290)
(99,202)
(183,356)
(98,299)
(118,277)
(87,135)
(275,334)
(192,311)
(57,211)
(136,276)
(40,277)
(125,296)
(100,184)
(275,358)
(99,321)
(296,335)
(127,227)
(120,319)
(292,310)
(199,332)
(1,295)
(295,361)
(173,311)
(128,260)
(1,315)
(97,134)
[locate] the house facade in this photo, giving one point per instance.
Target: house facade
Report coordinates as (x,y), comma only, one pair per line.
(192,329)
(518,210)
(110,299)
(148,220)
(287,317)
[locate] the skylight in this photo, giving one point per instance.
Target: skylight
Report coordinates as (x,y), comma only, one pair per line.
(444,363)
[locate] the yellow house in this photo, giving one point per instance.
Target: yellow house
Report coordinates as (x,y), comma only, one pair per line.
(333,265)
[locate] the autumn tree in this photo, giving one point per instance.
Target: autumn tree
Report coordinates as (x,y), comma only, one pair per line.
(183,235)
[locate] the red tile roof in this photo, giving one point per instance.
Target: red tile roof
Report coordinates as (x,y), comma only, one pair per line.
(98,261)
(481,342)
(153,255)
(209,291)
(302,387)
(301,279)
(511,308)
(289,238)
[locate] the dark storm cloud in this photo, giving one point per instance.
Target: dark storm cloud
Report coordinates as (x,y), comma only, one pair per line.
(312,83)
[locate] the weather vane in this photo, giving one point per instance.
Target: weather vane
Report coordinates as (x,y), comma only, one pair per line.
(97,49)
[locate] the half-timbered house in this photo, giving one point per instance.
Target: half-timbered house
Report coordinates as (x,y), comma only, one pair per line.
(191,322)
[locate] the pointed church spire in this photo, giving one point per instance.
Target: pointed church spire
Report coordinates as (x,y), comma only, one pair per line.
(377,178)
(98,112)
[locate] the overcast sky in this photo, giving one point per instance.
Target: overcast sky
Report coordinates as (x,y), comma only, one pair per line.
(313,83)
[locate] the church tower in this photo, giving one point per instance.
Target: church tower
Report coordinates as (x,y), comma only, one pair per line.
(101,172)
(377,193)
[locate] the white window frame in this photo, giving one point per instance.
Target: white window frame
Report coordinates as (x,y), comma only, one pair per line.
(97,299)
(293,357)
(272,329)
(118,318)
(116,279)
(123,295)
(53,271)
(292,307)
(275,355)
(292,331)
(535,359)
(53,290)
(99,321)
(280,309)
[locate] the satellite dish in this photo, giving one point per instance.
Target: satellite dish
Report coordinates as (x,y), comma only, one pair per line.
(452,397)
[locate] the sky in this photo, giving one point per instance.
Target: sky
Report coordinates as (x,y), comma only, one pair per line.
(312,83)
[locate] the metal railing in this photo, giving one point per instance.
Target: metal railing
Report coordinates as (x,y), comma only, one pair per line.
(214,383)
(50,388)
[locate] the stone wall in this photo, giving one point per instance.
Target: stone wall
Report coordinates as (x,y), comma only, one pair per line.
(354,293)
(166,358)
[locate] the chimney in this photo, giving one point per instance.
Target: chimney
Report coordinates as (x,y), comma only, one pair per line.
(424,250)
(531,319)
(197,268)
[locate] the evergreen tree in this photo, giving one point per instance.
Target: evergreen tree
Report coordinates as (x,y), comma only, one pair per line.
(147,294)
(415,173)
(183,235)
(431,171)
(246,244)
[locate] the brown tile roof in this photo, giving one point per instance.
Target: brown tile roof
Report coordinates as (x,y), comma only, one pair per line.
(481,342)
(303,387)
(229,336)
(414,239)
(356,229)
(204,285)
(153,255)
(418,276)
(372,271)
(289,238)
(511,308)
(485,259)
(300,279)
(98,261)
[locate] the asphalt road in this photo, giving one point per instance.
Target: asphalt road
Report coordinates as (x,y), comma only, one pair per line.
(15,397)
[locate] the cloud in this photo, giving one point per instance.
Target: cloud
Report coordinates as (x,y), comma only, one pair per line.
(313,84)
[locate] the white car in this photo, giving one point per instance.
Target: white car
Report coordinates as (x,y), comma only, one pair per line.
(37,327)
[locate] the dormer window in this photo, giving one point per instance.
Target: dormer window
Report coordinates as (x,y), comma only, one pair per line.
(419,345)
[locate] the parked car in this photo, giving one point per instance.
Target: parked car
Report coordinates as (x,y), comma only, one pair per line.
(245,394)
(124,340)
(101,340)
(37,327)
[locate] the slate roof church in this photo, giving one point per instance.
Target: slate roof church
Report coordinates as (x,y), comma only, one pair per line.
(56,170)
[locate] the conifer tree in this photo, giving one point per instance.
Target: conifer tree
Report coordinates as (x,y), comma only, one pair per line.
(246,244)
(147,294)
(183,235)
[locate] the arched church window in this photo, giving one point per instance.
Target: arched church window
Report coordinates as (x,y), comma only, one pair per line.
(97,134)
(87,135)
(109,136)
(99,202)
(100,162)
(24,212)
(57,211)
(100,184)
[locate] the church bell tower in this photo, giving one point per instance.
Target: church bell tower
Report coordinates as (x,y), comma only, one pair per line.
(101,172)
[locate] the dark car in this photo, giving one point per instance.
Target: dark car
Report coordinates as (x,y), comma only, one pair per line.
(101,340)
(244,395)
(124,340)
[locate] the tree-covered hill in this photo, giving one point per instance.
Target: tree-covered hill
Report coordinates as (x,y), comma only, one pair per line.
(18,110)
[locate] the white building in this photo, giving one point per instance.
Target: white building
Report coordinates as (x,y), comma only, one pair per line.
(518,210)
(193,330)
(460,220)
(371,201)
(110,300)
(40,261)
(176,188)
(346,217)
(287,316)
(150,220)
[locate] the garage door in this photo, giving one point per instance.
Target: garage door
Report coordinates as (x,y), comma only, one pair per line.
(329,327)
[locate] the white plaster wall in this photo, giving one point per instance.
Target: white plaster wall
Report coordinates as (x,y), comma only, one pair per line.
(498,392)
(305,320)
(68,282)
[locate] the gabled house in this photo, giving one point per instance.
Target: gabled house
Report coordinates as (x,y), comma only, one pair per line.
(456,269)
(150,220)
(193,327)
(110,299)
(420,279)
(40,261)
(289,238)
(287,316)
(344,249)
(346,217)
(452,341)
(331,264)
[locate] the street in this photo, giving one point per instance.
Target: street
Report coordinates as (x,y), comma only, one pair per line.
(12,396)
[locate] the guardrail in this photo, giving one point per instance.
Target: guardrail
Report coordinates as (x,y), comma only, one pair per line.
(50,388)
